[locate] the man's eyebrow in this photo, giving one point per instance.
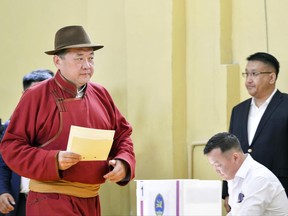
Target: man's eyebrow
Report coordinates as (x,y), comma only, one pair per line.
(81,54)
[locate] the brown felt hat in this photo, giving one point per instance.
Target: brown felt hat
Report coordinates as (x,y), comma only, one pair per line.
(72,37)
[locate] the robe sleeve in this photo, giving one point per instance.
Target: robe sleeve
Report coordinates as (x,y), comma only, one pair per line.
(122,147)
(19,146)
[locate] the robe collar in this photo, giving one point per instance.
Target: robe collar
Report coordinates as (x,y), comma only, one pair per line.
(65,84)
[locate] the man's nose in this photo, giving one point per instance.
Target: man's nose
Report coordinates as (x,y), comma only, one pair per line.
(86,64)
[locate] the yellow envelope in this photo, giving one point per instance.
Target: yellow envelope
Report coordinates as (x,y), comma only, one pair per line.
(92,144)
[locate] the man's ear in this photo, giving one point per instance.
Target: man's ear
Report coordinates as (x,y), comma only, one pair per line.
(235,156)
(272,78)
(57,60)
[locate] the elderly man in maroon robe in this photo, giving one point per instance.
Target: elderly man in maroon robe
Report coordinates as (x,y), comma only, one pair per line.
(36,139)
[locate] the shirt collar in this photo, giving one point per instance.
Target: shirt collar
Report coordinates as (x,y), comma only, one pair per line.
(243,170)
(267,100)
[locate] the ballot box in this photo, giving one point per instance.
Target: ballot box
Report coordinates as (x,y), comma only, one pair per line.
(179,197)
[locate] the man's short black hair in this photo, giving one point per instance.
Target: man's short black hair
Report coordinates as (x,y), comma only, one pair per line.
(36,76)
(267,59)
(224,140)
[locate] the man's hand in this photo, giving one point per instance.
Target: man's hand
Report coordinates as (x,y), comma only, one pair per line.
(6,203)
(226,205)
(67,159)
(119,171)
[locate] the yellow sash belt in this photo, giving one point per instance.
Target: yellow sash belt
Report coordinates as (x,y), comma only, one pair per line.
(65,187)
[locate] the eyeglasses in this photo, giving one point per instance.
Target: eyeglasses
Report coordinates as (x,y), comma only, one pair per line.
(254,74)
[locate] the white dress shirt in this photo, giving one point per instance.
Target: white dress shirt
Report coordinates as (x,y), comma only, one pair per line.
(24,187)
(255,115)
(256,191)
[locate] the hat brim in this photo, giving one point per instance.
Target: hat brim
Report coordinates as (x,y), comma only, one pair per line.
(94,47)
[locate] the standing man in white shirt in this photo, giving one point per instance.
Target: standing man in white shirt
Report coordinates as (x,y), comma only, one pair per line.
(261,122)
(253,189)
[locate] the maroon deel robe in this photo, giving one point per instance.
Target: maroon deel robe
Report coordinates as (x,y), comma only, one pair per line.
(40,126)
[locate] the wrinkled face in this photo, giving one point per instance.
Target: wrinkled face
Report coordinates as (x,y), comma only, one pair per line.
(225,164)
(77,65)
(261,85)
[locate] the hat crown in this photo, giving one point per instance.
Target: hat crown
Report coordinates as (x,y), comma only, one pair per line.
(71,35)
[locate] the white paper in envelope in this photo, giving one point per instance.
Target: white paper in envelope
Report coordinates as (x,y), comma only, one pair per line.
(92,144)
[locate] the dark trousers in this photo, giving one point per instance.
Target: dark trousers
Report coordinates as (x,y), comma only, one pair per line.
(20,209)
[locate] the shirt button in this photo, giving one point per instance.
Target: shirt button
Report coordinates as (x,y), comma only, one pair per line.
(249,150)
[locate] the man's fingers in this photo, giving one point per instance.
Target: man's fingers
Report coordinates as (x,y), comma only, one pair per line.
(118,172)
(67,159)
(5,203)
(112,163)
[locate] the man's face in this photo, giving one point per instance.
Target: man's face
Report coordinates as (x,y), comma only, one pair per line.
(77,65)
(224,163)
(261,85)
